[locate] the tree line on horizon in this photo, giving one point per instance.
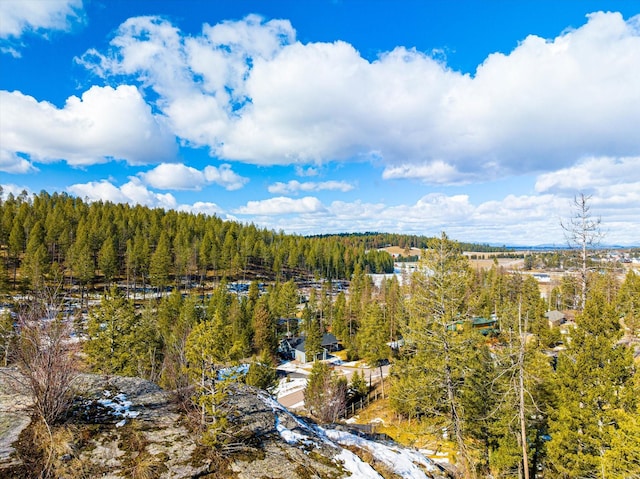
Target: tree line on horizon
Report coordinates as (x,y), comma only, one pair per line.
(57,235)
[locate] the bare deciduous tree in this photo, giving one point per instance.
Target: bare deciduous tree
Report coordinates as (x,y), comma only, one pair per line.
(582,231)
(45,356)
(325,394)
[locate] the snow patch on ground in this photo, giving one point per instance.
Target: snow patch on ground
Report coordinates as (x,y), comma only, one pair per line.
(402,461)
(119,405)
(290,385)
(356,466)
(292,437)
(290,367)
(405,462)
(233,373)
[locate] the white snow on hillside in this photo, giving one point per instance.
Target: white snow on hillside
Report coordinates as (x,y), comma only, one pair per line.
(404,462)
(356,466)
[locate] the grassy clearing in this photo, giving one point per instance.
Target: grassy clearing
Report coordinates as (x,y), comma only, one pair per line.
(413,433)
(340,354)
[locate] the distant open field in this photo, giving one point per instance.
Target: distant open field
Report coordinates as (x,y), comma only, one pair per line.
(507,263)
(477,259)
(397,250)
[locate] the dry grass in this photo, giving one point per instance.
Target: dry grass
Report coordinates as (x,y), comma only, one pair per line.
(52,453)
(409,432)
(341,354)
(145,466)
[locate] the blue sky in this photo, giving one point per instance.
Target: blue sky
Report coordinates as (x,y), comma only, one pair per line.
(482,119)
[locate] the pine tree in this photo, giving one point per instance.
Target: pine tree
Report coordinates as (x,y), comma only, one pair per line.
(147,345)
(372,338)
(81,260)
(110,328)
(108,260)
(622,460)
(36,263)
(628,302)
(176,319)
(160,264)
(289,299)
(339,325)
(241,331)
(325,393)
(592,377)
(264,328)
(16,246)
(582,231)
(394,313)
(204,359)
(313,334)
(522,392)
(441,353)
(4,279)
(262,373)
(359,387)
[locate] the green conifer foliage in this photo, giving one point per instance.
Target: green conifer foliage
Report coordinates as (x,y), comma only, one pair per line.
(441,344)
(118,341)
(36,263)
(359,386)
(313,334)
(264,328)
(262,373)
(160,264)
(325,394)
(628,302)
(593,376)
(339,325)
(108,260)
(372,336)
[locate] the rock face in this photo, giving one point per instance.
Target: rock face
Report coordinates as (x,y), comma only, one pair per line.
(118,427)
(15,416)
(127,427)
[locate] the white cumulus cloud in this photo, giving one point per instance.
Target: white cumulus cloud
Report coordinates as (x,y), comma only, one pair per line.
(435,172)
(281,206)
(177,176)
(295,186)
(133,192)
(13,163)
(173,176)
(15,190)
(105,123)
(592,174)
(250,92)
(225,176)
(513,220)
(202,207)
(20,16)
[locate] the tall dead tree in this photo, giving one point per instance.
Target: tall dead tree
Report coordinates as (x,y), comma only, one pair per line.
(582,231)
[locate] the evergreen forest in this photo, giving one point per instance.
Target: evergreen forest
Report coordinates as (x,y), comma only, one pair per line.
(519,399)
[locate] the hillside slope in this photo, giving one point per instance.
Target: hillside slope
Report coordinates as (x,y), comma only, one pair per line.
(127,427)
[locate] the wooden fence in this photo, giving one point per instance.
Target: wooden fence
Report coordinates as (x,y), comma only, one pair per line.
(357,405)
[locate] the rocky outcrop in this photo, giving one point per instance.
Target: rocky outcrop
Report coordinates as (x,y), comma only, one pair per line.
(15,416)
(127,427)
(117,427)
